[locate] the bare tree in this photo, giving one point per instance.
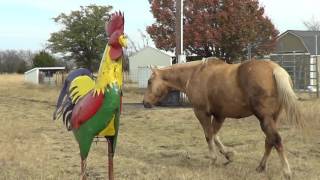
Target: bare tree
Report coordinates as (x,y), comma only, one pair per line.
(312,24)
(134,46)
(13,61)
(145,38)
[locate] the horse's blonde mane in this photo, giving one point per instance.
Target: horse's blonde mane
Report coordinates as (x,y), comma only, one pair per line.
(192,64)
(183,65)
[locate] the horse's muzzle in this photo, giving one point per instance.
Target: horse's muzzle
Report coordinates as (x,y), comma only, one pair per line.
(146,104)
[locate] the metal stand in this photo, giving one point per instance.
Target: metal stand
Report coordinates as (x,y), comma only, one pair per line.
(110,157)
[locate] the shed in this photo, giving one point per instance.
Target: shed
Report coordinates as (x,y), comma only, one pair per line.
(41,75)
(297,51)
(147,57)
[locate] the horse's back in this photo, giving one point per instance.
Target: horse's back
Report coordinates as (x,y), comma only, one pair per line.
(215,86)
(228,89)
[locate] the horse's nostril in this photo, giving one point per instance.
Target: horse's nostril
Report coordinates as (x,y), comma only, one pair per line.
(147,105)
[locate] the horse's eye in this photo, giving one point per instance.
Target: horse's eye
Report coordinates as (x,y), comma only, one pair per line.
(149,82)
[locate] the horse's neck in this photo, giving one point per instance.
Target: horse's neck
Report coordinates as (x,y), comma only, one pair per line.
(177,76)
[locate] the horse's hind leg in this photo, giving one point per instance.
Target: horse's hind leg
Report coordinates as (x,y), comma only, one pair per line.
(217,124)
(205,121)
(263,163)
(273,139)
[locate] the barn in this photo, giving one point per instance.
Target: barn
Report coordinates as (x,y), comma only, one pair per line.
(297,51)
(43,75)
(140,62)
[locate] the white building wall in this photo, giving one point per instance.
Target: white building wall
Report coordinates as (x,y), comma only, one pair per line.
(32,76)
(147,57)
(313,73)
(144,74)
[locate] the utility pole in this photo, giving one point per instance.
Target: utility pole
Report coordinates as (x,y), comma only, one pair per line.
(181,58)
(249,51)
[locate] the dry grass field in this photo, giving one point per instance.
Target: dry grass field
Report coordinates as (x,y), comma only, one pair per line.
(161,143)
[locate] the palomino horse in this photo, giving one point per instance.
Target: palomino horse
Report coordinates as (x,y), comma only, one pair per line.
(218,90)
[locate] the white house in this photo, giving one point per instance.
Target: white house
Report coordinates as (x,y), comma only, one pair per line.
(41,74)
(147,57)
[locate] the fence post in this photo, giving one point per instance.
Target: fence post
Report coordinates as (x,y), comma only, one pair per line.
(305,85)
(294,71)
(317,76)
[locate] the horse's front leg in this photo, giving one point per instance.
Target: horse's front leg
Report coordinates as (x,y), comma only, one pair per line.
(205,121)
(227,152)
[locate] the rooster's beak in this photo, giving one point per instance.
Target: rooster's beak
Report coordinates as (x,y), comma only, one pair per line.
(123,41)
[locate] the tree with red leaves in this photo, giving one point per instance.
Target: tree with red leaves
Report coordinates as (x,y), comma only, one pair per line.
(221,28)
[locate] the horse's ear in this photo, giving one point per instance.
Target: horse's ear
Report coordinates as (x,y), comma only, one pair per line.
(153,69)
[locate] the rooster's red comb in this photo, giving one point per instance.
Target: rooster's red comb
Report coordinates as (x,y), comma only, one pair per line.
(116,23)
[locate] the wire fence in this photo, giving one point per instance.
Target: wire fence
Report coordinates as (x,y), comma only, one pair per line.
(303,70)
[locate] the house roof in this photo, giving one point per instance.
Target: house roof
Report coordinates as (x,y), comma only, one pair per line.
(308,39)
(46,68)
(153,49)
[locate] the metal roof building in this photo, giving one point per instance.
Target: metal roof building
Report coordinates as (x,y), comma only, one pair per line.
(298,52)
(41,74)
(299,42)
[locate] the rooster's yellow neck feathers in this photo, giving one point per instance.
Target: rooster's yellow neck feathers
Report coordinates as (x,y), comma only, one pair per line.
(110,72)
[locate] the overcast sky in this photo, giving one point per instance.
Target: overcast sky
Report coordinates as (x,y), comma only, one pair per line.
(27,24)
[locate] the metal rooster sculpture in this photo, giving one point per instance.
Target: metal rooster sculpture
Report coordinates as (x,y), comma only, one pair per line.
(91,107)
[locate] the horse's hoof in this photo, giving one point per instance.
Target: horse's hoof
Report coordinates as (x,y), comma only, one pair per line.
(261,169)
(288,175)
(83,176)
(230,155)
(213,160)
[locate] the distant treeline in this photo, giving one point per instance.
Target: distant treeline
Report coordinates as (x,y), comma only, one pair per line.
(19,61)
(15,61)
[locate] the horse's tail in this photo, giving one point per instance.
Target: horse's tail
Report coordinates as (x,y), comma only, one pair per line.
(287,97)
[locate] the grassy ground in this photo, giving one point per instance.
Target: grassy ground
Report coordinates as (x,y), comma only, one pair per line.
(160,143)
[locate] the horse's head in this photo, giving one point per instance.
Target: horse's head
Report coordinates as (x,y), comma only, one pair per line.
(157,89)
